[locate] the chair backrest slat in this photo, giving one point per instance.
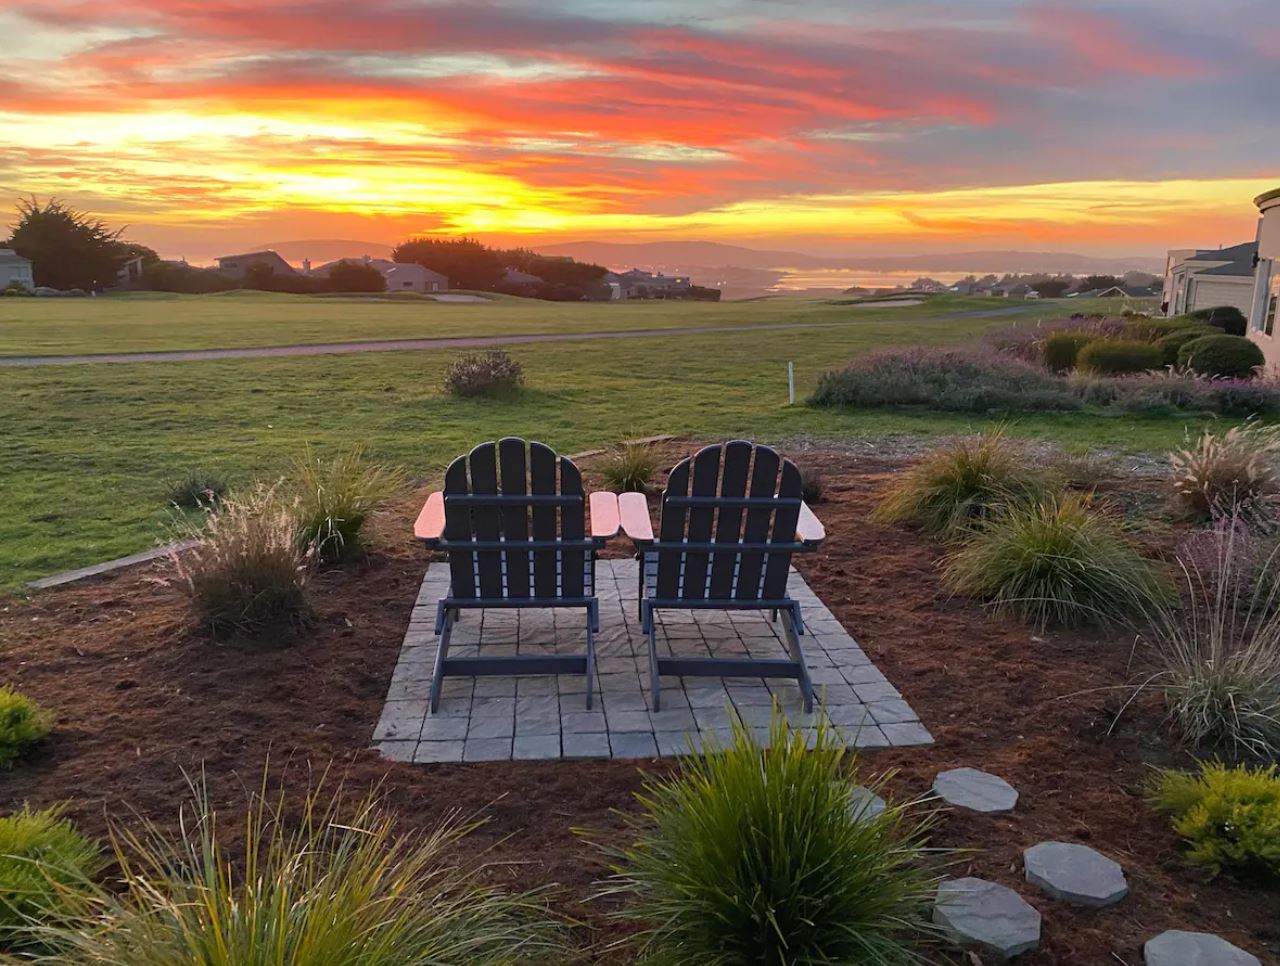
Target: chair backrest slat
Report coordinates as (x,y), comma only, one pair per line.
(486,519)
(515,517)
(542,480)
(785,519)
(764,476)
(572,527)
(733,483)
(457,529)
(706,479)
(671,530)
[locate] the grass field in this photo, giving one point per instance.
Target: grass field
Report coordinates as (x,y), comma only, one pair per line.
(86,451)
(149,322)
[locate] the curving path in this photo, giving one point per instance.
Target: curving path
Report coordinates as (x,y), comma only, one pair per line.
(462,342)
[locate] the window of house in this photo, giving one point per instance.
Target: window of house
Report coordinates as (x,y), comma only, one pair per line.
(1270,321)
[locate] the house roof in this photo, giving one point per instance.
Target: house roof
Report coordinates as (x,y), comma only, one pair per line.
(265,253)
(1234,253)
(1240,269)
(516,277)
(9,257)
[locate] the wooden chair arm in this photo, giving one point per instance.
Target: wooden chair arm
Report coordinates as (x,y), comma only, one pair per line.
(633,511)
(809,528)
(430,523)
(604,515)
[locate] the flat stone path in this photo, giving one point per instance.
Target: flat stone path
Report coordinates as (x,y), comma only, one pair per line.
(976,790)
(1178,948)
(1076,873)
(975,912)
(545,717)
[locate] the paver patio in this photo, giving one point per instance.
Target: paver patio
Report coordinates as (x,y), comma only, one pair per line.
(545,717)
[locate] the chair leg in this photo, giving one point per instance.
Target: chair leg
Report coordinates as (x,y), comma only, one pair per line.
(655,686)
(593,625)
(792,623)
(442,651)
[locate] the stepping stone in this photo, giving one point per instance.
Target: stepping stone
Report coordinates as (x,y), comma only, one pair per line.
(864,803)
(976,912)
(1178,948)
(1075,873)
(976,790)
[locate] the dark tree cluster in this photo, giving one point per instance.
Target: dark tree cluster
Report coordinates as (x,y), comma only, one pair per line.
(468,264)
(70,250)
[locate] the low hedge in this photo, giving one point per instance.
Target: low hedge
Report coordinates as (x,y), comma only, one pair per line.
(1170,344)
(1153,330)
(1117,357)
(1231,356)
(1062,348)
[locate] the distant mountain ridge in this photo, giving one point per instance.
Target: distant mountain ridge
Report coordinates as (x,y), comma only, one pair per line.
(693,253)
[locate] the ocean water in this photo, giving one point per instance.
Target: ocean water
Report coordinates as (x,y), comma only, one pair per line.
(842,278)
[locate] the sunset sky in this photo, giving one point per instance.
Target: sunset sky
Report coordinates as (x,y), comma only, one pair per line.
(834,126)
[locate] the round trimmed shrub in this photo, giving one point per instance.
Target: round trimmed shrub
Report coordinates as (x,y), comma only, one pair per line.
(1153,330)
(44,860)
(1170,344)
(1232,356)
(23,723)
(1228,318)
(1062,348)
(1118,357)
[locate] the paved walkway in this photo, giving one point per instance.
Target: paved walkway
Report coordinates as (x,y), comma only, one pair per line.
(462,342)
(530,717)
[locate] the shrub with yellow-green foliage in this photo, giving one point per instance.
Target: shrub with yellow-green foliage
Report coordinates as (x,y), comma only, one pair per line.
(1230,817)
(23,723)
(44,863)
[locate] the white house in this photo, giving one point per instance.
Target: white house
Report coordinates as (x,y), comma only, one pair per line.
(15,268)
(1266,286)
(1204,278)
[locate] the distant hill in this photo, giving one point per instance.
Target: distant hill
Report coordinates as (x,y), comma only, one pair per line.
(327,249)
(675,254)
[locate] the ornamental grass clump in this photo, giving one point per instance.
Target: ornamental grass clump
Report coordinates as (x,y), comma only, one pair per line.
(309,885)
(45,865)
(761,855)
(195,489)
(247,570)
(1226,474)
(1055,562)
(630,467)
(1229,816)
(493,373)
(333,498)
(961,482)
(23,724)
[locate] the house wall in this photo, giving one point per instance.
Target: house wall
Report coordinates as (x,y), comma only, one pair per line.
(1264,325)
(16,272)
(1207,292)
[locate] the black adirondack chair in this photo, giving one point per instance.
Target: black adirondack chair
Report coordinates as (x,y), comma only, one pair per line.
(512,520)
(731,518)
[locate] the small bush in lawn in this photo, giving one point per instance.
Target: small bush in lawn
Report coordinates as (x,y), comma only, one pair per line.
(1115,357)
(812,483)
(1216,653)
(196,489)
(959,483)
(956,380)
(752,855)
(1230,817)
(1228,318)
(44,863)
(1224,474)
(23,724)
(492,373)
(1172,343)
(1055,562)
(247,570)
(335,496)
(322,886)
(1232,356)
(630,467)
(1062,348)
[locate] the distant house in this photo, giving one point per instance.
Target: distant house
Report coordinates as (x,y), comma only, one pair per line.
(399,276)
(520,279)
(1115,291)
(237,266)
(15,268)
(639,284)
(130,271)
(1204,278)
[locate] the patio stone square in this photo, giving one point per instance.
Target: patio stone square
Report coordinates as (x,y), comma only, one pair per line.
(531,717)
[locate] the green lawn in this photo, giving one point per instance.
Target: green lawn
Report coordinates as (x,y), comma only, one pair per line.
(156,321)
(85,451)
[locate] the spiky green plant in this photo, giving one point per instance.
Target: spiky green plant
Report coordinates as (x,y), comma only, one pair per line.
(320,886)
(45,863)
(755,855)
(1055,561)
(333,497)
(630,466)
(961,482)
(23,723)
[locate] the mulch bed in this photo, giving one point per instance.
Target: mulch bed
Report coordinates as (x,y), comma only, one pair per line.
(142,694)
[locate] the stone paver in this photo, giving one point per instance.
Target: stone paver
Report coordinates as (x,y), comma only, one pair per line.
(1075,873)
(864,803)
(540,717)
(1178,948)
(976,790)
(975,912)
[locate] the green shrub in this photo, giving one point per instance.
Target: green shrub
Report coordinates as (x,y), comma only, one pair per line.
(196,489)
(44,863)
(1225,474)
(492,373)
(1230,817)
(323,886)
(1228,318)
(812,485)
(1170,344)
(1117,357)
(247,570)
(1222,355)
(959,483)
(1055,562)
(752,855)
(1153,330)
(23,723)
(630,467)
(334,497)
(1062,348)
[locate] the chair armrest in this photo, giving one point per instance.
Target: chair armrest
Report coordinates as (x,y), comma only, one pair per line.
(430,523)
(809,528)
(604,515)
(633,510)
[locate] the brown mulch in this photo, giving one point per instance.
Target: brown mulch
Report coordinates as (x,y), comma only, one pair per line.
(142,694)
